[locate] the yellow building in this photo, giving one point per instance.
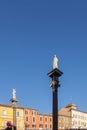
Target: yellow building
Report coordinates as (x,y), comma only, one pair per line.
(6,114)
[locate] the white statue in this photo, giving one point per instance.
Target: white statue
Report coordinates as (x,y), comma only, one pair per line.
(55,62)
(14,93)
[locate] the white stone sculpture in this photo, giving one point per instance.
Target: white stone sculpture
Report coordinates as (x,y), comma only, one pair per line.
(55,62)
(14,93)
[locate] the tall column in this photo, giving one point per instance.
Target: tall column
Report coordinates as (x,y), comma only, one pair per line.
(55,74)
(14,103)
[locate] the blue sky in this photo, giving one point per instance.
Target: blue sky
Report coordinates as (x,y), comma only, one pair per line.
(31,32)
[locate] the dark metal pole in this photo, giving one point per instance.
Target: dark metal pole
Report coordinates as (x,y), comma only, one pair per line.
(55,74)
(55,111)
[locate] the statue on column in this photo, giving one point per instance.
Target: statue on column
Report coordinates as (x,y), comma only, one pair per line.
(55,62)
(14,93)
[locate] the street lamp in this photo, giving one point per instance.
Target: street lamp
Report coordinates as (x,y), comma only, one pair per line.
(14,101)
(55,74)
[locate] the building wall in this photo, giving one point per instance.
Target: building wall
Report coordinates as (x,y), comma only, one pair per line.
(20,118)
(6,114)
(30,118)
(34,120)
(43,121)
(79,119)
(64,122)
(27,118)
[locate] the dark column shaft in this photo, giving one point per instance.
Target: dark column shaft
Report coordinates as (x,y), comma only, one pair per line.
(55,110)
(55,74)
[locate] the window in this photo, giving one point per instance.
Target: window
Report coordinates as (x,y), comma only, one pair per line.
(4,123)
(34,112)
(50,126)
(18,113)
(26,112)
(40,118)
(45,119)
(73,122)
(50,119)
(26,118)
(33,119)
(84,123)
(45,126)
(4,112)
(78,122)
(75,116)
(18,124)
(33,127)
(40,126)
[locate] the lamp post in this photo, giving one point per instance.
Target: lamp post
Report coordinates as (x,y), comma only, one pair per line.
(55,74)
(14,101)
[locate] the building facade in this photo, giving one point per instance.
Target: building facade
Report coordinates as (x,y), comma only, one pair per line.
(29,119)
(77,119)
(6,115)
(34,120)
(64,118)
